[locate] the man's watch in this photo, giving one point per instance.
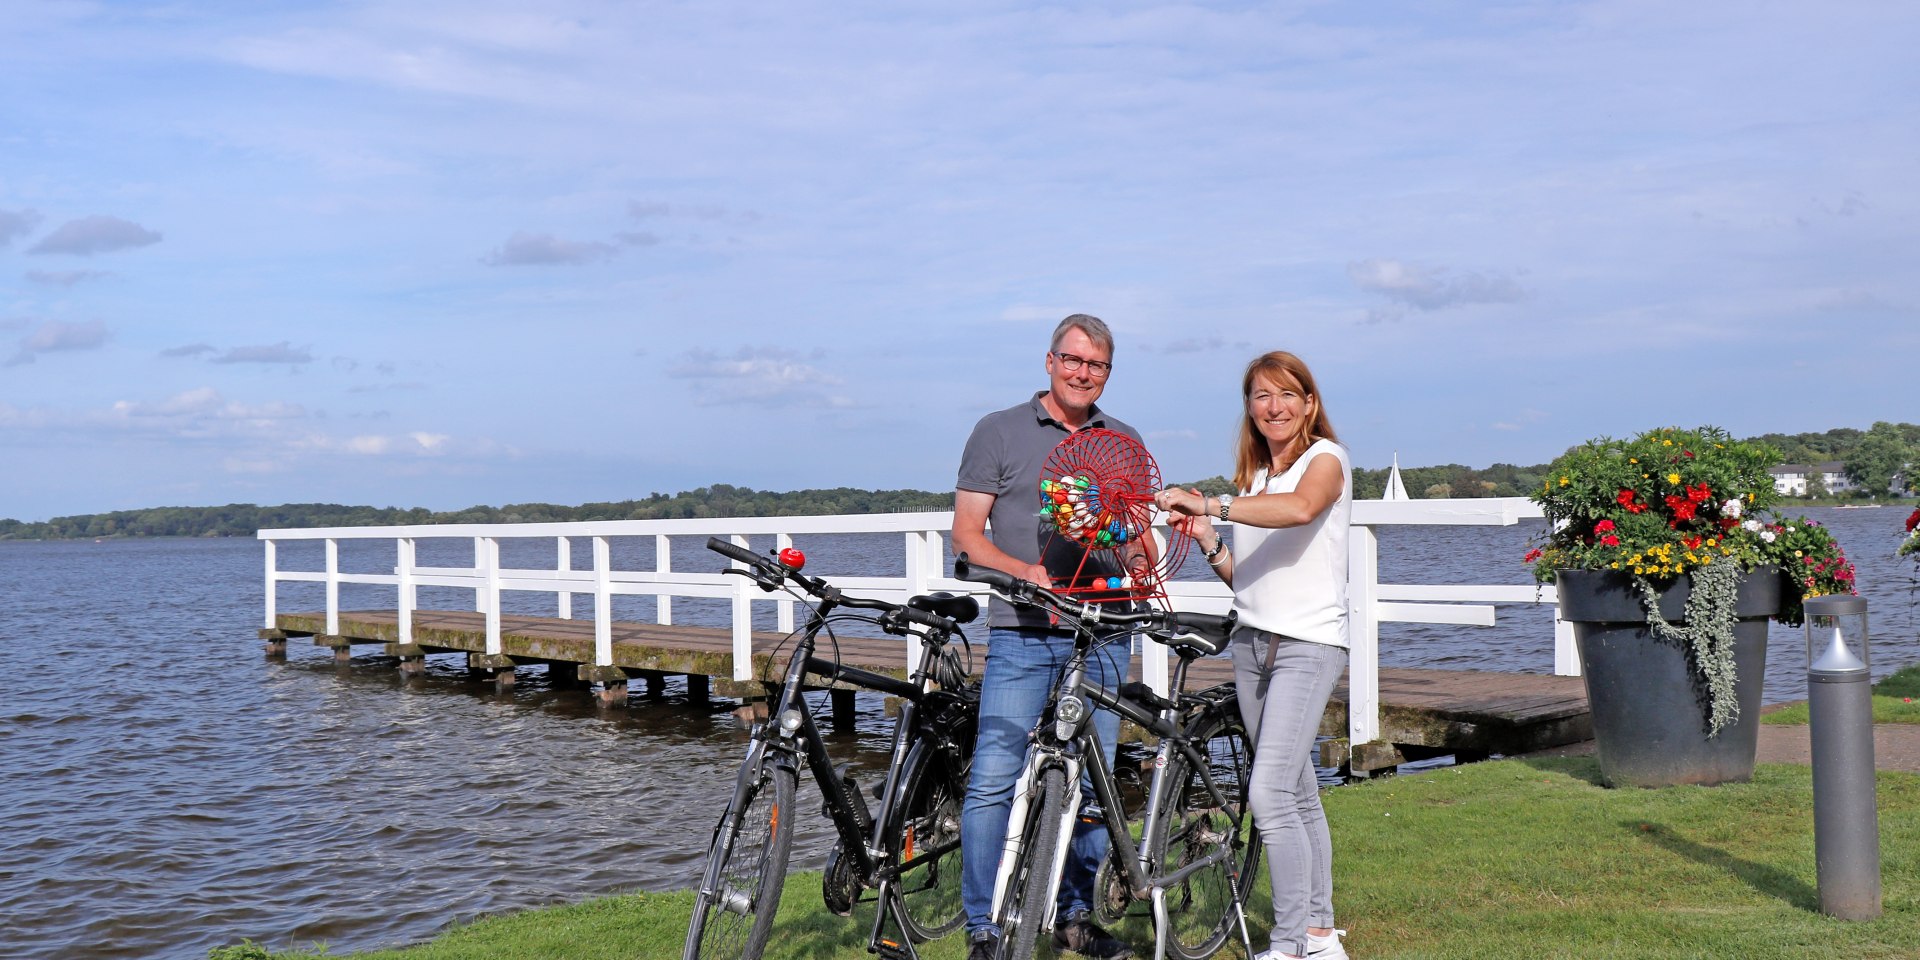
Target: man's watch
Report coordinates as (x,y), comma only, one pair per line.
(1226,501)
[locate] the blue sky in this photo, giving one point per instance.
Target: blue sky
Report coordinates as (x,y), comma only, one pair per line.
(440,254)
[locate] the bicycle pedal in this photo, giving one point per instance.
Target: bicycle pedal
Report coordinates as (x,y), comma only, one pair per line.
(891,950)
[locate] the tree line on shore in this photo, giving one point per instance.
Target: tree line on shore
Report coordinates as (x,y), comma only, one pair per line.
(1871,457)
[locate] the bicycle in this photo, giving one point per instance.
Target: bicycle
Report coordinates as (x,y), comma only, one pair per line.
(909,850)
(1197,844)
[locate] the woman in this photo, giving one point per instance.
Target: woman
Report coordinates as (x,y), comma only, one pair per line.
(1288,571)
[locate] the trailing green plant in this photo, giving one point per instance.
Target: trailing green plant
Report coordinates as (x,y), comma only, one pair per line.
(1674,502)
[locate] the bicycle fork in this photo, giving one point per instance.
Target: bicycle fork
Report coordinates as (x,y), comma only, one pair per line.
(1012,852)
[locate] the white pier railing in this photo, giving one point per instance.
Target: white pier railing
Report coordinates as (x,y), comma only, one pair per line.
(923,569)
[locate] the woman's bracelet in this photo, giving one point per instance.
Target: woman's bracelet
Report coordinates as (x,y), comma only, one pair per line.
(1213,556)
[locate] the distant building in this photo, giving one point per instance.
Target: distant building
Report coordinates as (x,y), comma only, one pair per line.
(1791,479)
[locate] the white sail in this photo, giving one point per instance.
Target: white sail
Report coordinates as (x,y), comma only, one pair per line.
(1395,489)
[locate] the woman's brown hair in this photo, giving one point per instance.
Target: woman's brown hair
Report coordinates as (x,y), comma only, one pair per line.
(1251,451)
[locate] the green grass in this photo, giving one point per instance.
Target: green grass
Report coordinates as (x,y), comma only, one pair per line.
(1509,859)
(1896,699)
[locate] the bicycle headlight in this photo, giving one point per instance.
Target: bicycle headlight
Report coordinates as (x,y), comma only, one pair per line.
(1070,710)
(789,722)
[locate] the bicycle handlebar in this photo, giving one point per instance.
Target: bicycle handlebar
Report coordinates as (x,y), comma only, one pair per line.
(770,573)
(1206,633)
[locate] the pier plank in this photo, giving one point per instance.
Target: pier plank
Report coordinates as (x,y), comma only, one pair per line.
(1469,710)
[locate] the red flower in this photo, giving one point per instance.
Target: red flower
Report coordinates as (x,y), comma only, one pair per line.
(1728,523)
(1691,543)
(1913,521)
(1609,541)
(1603,526)
(1700,494)
(1636,508)
(1683,509)
(1626,497)
(1533,555)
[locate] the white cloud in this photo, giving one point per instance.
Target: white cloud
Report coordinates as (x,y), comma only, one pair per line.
(282,352)
(541,249)
(59,335)
(65,278)
(1431,288)
(16,223)
(755,375)
(96,234)
(189,350)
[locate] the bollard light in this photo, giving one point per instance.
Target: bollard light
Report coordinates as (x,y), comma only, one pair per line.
(1846,821)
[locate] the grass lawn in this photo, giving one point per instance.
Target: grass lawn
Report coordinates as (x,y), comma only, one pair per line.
(1896,699)
(1508,859)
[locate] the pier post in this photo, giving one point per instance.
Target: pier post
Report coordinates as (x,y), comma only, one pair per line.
(276,643)
(498,664)
(697,687)
(612,681)
(341,646)
(654,683)
(843,713)
(413,657)
(750,713)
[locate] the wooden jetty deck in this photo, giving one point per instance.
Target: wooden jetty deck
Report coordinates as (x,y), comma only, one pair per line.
(1422,712)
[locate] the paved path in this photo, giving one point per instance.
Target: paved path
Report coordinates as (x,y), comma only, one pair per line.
(1896,746)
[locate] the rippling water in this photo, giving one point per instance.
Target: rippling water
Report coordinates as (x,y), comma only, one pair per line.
(174,790)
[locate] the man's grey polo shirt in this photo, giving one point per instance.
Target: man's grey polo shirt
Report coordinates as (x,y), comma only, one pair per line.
(1004,457)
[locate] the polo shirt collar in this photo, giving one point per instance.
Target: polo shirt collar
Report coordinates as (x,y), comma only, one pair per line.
(1095,418)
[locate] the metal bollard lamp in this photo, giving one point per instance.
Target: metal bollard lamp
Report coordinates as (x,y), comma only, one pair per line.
(1846,822)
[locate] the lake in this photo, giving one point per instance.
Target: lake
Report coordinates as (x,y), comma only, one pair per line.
(173,789)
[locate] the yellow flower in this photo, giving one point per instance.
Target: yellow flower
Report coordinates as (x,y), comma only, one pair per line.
(1615,565)
(1633,459)
(1673,478)
(1666,443)
(1563,481)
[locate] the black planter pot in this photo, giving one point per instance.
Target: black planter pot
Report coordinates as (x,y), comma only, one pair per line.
(1649,712)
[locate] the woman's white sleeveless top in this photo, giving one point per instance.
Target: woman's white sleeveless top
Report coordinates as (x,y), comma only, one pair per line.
(1293,581)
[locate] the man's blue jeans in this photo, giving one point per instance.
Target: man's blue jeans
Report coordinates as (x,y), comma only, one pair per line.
(1023,668)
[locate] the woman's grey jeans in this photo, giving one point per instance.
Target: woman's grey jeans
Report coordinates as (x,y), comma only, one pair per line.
(1283,692)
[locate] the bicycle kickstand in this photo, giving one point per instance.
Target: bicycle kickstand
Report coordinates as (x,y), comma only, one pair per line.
(891,907)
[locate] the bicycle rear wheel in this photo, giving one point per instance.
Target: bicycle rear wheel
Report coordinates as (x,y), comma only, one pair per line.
(1200,914)
(746,866)
(925,842)
(1027,905)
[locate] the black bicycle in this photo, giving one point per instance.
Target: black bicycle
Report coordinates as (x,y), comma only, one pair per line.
(1197,847)
(908,851)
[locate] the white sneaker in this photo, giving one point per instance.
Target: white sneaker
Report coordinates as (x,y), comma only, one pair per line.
(1326,948)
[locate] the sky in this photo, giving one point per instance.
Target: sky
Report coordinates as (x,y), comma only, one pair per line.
(451,253)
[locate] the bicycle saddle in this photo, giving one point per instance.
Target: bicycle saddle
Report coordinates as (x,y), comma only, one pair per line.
(959,608)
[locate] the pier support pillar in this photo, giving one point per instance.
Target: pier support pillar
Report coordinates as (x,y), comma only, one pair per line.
(842,710)
(413,658)
(341,646)
(654,683)
(698,685)
(565,676)
(749,713)
(612,681)
(499,666)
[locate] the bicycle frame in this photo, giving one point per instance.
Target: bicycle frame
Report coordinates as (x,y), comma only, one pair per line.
(1075,747)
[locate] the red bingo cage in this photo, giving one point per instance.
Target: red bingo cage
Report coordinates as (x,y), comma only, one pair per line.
(1096,498)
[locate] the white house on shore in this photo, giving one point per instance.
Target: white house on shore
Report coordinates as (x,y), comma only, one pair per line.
(1791,479)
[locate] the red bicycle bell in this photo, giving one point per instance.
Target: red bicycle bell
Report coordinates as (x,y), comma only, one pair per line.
(793,558)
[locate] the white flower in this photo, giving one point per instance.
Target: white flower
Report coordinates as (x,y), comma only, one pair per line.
(1751,526)
(1767,535)
(1731,508)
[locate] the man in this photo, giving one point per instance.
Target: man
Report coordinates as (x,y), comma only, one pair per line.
(1000,482)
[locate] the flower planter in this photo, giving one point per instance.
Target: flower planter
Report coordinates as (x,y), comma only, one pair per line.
(1649,715)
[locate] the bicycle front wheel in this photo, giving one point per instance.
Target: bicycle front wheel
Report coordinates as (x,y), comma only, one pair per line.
(746,866)
(925,843)
(1192,825)
(1027,904)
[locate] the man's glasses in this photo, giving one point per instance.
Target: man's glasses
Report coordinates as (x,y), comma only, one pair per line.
(1072,364)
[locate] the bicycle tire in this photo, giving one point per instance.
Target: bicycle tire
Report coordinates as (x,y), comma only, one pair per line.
(733,920)
(1200,908)
(924,844)
(1027,894)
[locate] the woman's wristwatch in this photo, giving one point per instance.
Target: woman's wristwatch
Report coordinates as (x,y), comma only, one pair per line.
(1226,501)
(1213,556)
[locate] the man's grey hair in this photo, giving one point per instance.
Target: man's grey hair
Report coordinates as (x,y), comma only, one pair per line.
(1095,329)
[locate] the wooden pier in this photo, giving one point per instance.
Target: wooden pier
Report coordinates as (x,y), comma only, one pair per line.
(1423,713)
